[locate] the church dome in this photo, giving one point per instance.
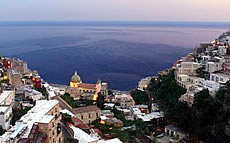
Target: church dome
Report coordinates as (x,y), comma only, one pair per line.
(75,77)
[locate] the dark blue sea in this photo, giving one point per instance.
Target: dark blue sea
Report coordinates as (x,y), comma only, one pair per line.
(119,53)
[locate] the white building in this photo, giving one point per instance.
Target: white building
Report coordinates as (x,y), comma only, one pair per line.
(222,50)
(216,64)
(7,97)
(138,114)
(5,116)
(205,59)
(212,86)
(151,116)
(83,137)
(219,77)
(213,67)
(33,94)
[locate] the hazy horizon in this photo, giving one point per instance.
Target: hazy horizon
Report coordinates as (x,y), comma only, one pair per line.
(225,25)
(118,10)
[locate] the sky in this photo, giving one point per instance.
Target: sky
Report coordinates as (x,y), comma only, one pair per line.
(112,10)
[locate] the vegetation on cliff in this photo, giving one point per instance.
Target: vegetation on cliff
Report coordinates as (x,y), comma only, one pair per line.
(206,118)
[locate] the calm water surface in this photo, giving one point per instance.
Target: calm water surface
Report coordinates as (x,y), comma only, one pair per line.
(119,55)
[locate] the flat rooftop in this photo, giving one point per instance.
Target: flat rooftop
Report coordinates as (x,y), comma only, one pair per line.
(82,136)
(4,95)
(36,114)
(222,74)
(116,140)
(46,119)
(3,109)
(149,117)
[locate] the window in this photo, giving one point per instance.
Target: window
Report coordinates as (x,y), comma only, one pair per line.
(213,78)
(217,79)
(82,117)
(89,115)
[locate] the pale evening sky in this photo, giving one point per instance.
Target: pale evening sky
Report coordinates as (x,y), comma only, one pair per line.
(124,10)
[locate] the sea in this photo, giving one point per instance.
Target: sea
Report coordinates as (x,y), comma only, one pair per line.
(118,52)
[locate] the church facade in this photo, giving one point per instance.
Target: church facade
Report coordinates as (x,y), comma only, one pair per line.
(78,89)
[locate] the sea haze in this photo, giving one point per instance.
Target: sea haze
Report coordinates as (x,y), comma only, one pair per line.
(118,53)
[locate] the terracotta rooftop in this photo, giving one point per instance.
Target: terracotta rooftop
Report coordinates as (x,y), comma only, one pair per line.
(83,126)
(87,85)
(85,109)
(78,123)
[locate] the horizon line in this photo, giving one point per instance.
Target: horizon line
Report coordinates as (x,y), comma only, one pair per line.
(120,23)
(151,21)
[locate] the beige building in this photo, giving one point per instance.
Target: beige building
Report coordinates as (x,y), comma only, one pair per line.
(104,88)
(186,81)
(49,125)
(188,97)
(40,124)
(87,114)
(125,100)
(144,83)
(14,77)
(188,68)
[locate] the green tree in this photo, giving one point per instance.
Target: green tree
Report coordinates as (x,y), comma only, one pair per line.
(100,101)
(208,113)
(17,114)
(207,116)
(42,90)
(140,97)
(2,131)
(202,74)
(66,118)
(76,103)
(70,140)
